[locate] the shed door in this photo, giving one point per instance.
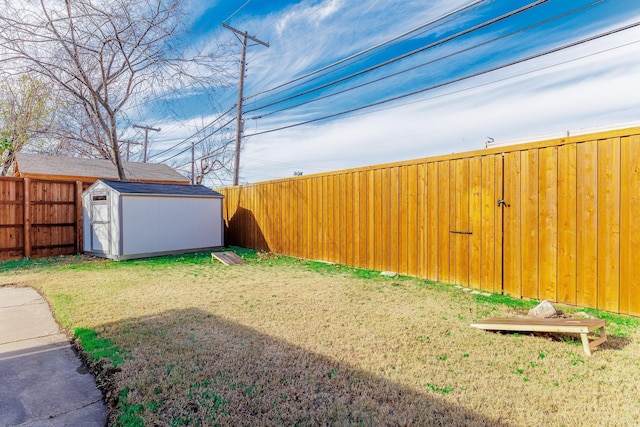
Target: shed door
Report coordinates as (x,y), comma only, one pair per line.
(100,224)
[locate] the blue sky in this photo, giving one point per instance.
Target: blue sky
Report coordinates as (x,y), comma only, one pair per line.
(461,77)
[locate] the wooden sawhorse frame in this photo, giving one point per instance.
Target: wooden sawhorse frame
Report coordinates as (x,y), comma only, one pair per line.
(560,325)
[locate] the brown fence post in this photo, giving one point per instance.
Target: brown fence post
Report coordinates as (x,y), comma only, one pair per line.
(27,217)
(79,227)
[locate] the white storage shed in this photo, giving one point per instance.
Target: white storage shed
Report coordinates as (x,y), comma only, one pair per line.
(124,220)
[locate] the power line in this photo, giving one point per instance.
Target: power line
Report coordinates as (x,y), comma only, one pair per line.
(529,27)
(199,158)
(369,49)
(184,141)
(199,141)
(405,55)
(503,79)
(457,80)
(238,10)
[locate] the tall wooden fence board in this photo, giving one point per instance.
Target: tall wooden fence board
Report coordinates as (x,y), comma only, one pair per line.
(40,218)
(566,232)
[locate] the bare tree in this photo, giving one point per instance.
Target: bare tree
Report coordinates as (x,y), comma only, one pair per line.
(213,153)
(25,110)
(103,57)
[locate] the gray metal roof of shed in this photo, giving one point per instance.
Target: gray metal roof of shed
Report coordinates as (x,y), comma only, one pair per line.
(151,188)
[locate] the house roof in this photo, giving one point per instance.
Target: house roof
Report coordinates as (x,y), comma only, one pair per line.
(75,169)
(157,189)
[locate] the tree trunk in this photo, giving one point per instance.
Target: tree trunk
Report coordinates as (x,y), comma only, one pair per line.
(115,148)
(7,164)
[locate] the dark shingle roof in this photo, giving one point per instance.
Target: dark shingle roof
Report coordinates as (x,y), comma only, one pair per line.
(149,188)
(36,165)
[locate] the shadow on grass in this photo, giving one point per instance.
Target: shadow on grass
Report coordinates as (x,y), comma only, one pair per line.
(193,368)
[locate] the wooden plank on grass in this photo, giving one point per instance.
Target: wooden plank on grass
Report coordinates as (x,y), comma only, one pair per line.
(228,258)
(531,324)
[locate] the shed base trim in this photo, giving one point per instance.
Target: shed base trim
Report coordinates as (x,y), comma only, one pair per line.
(116,257)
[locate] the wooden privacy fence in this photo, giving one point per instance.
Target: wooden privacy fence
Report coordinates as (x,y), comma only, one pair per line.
(556,220)
(40,218)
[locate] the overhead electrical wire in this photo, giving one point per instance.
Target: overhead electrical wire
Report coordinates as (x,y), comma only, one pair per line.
(546,21)
(456,80)
(424,29)
(369,49)
(199,141)
(237,10)
(403,56)
(339,65)
(610,49)
(201,157)
(184,141)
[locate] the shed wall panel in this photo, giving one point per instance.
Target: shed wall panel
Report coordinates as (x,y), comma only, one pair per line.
(160,224)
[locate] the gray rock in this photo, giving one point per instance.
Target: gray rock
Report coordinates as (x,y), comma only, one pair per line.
(544,309)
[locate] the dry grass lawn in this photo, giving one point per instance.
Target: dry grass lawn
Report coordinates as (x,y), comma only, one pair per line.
(280,341)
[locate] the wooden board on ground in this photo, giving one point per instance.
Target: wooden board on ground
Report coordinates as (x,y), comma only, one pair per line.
(228,258)
(531,324)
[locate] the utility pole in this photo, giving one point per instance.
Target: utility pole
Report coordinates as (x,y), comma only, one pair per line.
(128,153)
(193,162)
(146,139)
(240,122)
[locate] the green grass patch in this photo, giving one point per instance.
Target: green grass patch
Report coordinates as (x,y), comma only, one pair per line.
(27,263)
(330,268)
(507,301)
(129,414)
(99,348)
(63,304)
(438,389)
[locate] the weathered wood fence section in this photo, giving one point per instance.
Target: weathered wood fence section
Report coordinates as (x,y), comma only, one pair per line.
(556,220)
(40,218)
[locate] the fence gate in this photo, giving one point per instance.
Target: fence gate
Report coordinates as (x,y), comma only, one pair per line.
(475,228)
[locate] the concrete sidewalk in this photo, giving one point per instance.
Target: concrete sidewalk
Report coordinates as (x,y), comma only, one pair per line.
(42,381)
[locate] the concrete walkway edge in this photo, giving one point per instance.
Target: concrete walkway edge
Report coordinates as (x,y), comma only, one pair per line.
(44,383)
